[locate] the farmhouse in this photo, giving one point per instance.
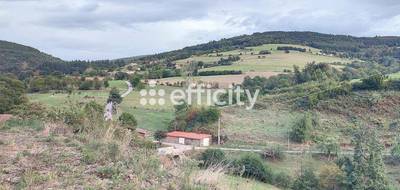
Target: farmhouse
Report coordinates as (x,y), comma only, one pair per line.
(187,138)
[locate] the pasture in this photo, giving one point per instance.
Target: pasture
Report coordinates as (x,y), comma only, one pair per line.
(277,61)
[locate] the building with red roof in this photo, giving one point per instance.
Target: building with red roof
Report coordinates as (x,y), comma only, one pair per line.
(188,138)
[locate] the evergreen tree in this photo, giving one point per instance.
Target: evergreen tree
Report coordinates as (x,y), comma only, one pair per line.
(368,171)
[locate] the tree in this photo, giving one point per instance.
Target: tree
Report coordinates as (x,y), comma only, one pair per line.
(11,93)
(375,82)
(306,181)
(330,177)
(301,130)
(121,76)
(329,146)
(86,85)
(114,96)
(395,152)
(106,83)
(128,120)
(368,167)
(137,83)
(159,134)
(252,166)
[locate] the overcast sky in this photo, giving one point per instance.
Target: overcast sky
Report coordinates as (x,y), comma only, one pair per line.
(107,29)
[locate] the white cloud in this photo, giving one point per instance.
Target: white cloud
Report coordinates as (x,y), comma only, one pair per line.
(90,29)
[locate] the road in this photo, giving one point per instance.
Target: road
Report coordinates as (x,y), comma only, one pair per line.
(109,106)
(178,148)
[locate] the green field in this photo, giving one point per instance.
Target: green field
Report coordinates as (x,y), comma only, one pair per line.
(395,76)
(277,61)
(256,128)
(59,99)
(149,117)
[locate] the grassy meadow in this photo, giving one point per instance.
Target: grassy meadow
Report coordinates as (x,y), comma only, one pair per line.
(277,61)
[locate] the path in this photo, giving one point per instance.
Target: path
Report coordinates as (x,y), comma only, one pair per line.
(109,106)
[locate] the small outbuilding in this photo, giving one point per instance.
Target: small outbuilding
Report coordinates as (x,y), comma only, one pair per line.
(188,138)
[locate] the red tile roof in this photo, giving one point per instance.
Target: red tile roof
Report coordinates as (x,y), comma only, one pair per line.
(188,135)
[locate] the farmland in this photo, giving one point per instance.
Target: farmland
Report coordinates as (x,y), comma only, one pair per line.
(277,61)
(252,64)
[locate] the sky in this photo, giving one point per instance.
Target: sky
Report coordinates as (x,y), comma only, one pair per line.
(109,29)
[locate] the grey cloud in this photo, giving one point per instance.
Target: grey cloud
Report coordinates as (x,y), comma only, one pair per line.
(97,29)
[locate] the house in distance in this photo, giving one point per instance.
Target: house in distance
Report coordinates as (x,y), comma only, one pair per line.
(188,138)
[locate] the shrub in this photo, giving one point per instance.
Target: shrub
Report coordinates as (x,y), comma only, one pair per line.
(11,93)
(301,130)
(128,120)
(394,84)
(224,72)
(93,110)
(252,166)
(30,111)
(107,172)
(330,176)
(329,146)
(306,181)
(374,82)
(274,153)
(212,157)
(114,96)
(395,152)
(282,180)
(287,48)
(159,134)
(264,52)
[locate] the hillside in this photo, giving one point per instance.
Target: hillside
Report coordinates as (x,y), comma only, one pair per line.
(16,57)
(349,46)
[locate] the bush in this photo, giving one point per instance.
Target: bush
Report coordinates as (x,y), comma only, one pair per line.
(394,85)
(301,130)
(252,166)
(306,181)
(30,111)
(274,153)
(114,96)
(212,157)
(287,48)
(264,52)
(12,93)
(282,180)
(395,152)
(374,82)
(94,110)
(224,72)
(330,176)
(329,146)
(158,135)
(128,120)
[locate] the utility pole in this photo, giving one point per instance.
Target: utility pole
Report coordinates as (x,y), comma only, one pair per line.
(288,139)
(219,130)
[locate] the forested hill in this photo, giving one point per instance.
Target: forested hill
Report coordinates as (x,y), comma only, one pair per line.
(16,57)
(349,46)
(24,61)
